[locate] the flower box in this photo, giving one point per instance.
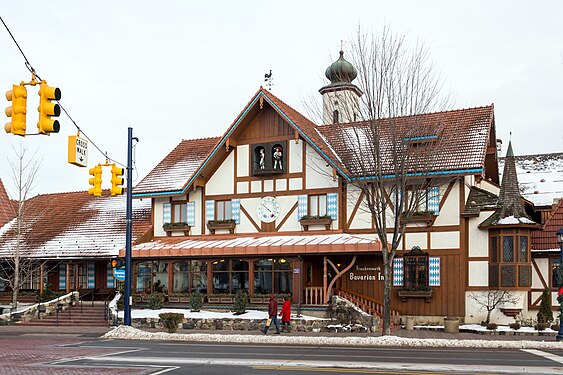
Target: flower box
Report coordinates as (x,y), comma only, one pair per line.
(425,217)
(170,228)
(213,299)
(226,299)
(185,299)
(228,225)
(307,221)
(173,299)
(256,300)
(404,294)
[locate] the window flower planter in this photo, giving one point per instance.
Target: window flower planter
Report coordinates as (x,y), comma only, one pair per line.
(256,300)
(185,299)
(213,225)
(425,217)
(404,294)
(226,299)
(170,228)
(213,299)
(306,221)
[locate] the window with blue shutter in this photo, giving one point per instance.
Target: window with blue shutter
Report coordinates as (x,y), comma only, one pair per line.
(91,275)
(235,210)
(434,200)
(209,211)
(434,271)
(398,272)
(166,213)
(332,205)
(191,213)
(62,276)
(301,206)
(109,276)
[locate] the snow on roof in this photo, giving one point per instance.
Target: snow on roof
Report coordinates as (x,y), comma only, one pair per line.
(76,224)
(509,220)
(540,177)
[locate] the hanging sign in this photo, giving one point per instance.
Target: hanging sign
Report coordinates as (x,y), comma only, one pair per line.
(77,151)
(119,273)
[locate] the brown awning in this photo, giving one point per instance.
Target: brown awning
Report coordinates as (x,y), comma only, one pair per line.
(255,245)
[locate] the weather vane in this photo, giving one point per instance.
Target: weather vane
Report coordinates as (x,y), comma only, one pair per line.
(269,80)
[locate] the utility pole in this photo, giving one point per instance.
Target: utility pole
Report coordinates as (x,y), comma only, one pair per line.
(129,226)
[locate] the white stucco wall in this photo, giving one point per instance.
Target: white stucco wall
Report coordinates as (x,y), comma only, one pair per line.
(475,313)
(281,185)
(345,101)
(415,239)
(362,218)
(478,273)
(489,186)
(243,152)
(449,213)
(243,187)
(291,224)
(295,183)
(318,171)
(296,156)
(543,266)
(157,215)
(223,180)
(478,239)
(444,240)
(196,196)
(250,205)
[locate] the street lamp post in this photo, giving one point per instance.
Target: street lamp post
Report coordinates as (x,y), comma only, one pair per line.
(560,282)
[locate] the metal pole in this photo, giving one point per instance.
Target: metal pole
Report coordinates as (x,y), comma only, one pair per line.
(128,221)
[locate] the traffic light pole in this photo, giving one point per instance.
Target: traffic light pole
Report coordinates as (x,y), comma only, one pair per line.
(129,227)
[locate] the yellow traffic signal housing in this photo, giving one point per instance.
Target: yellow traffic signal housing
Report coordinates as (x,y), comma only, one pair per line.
(95,181)
(118,263)
(48,109)
(116,180)
(17,111)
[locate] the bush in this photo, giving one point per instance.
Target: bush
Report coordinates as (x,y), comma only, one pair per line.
(171,321)
(515,326)
(196,301)
(492,326)
(541,326)
(240,302)
(156,300)
(545,315)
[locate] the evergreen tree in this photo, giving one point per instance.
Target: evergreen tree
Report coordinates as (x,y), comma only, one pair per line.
(545,315)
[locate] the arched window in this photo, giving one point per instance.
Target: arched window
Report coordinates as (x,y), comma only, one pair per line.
(335,117)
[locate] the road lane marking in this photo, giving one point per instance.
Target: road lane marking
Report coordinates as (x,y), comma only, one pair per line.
(540,353)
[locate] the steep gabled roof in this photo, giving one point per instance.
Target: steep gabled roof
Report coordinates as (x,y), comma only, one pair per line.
(7,206)
(172,174)
(462,136)
(74,225)
(178,170)
(546,239)
(479,199)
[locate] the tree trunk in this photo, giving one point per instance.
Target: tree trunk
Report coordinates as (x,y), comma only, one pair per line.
(386,299)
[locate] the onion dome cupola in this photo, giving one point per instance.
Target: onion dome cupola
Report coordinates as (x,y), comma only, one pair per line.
(341,97)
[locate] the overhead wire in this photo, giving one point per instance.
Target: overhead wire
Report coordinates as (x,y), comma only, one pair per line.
(34,73)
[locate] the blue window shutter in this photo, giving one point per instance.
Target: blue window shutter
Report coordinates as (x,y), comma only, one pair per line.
(332,205)
(301,206)
(190,213)
(398,272)
(109,276)
(209,211)
(235,210)
(434,268)
(91,275)
(62,276)
(434,200)
(166,213)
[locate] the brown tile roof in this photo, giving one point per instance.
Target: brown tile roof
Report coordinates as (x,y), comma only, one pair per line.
(75,224)
(545,239)
(175,170)
(7,206)
(479,199)
(461,136)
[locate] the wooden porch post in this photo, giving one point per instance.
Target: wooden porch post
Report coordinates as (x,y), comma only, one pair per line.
(251,277)
(41,278)
(67,283)
(325,281)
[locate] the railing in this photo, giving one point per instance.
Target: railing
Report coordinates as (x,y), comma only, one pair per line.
(314,295)
(368,304)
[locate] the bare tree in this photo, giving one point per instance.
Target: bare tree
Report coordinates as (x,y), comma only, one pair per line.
(492,299)
(391,152)
(17,264)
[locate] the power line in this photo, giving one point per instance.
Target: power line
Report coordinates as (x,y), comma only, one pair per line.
(34,73)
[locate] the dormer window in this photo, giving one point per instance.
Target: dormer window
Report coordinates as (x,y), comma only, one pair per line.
(269,158)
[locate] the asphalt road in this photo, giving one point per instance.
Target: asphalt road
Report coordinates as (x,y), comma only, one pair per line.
(150,357)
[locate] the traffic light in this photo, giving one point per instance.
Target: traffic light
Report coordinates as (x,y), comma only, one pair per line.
(95,181)
(18,96)
(47,108)
(116,180)
(118,263)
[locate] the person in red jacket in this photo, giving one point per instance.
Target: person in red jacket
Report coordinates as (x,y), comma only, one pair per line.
(286,315)
(272,315)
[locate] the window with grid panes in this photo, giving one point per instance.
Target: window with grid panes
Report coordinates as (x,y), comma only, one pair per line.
(179,212)
(416,269)
(317,205)
(509,258)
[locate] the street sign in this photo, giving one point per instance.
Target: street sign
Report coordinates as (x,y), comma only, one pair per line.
(77,151)
(119,274)
(296,270)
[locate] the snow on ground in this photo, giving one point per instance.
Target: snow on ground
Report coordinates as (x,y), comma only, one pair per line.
(127,332)
(188,314)
(478,327)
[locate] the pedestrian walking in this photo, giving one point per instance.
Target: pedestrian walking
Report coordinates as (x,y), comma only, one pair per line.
(272,315)
(286,315)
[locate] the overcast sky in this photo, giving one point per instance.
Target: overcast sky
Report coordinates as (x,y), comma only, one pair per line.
(177,70)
